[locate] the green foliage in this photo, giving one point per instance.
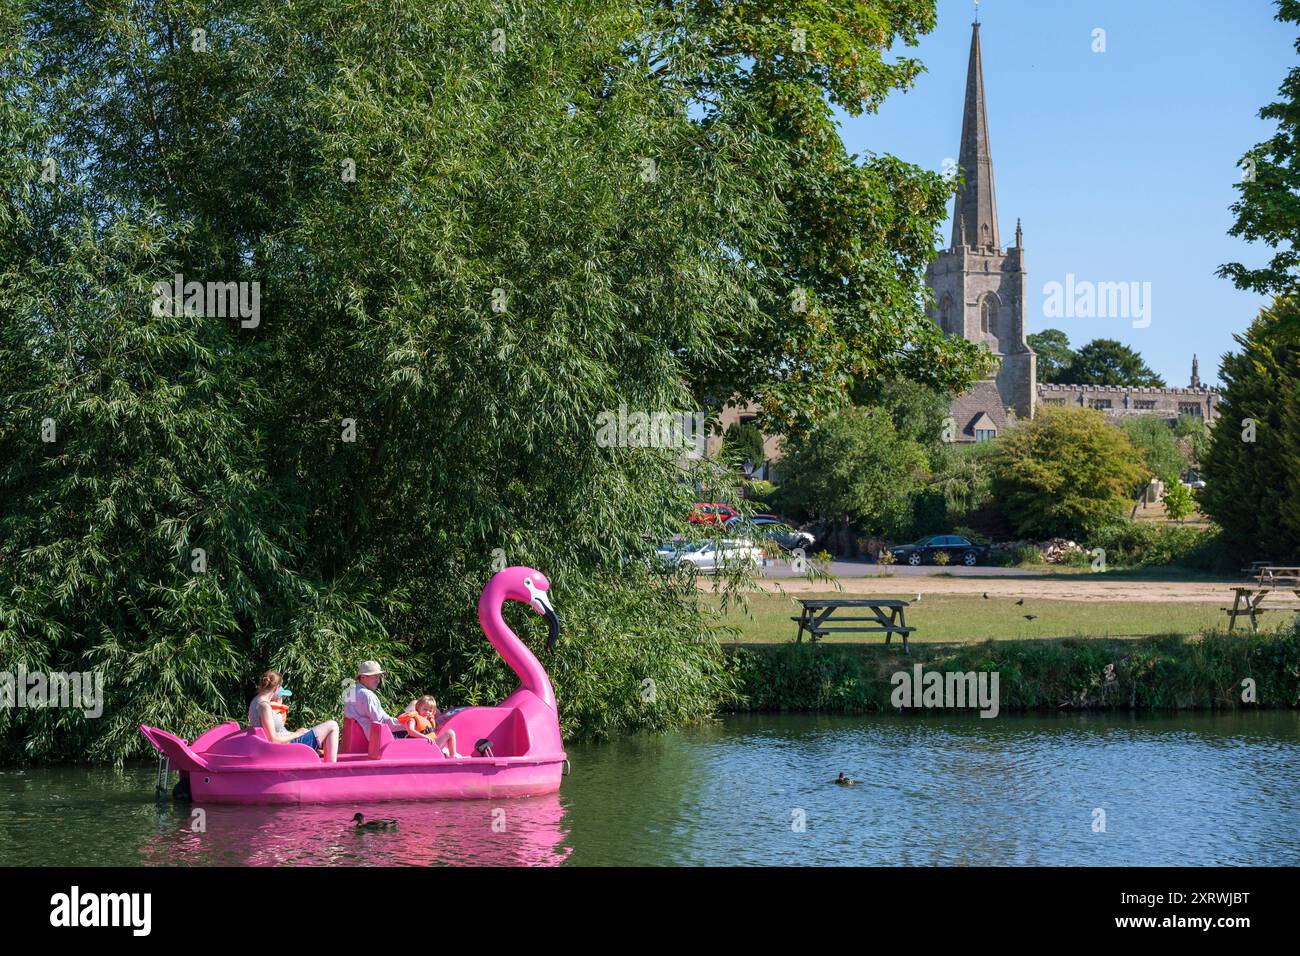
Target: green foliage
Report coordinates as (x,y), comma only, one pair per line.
(853,464)
(918,411)
(499,272)
(1147,544)
(971,535)
(1026,554)
(1178,501)
(1109,362)
(1163,673)
(941,558)
(844,276)
(1268,210)
(759,493)
(1157,443)
(1252,463)
(961,482)
(1054,354)
(1193,434)
(743,443)
(1065,472)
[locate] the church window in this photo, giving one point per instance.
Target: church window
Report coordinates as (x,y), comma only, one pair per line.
(989,314)
(1101,403)
(1053,401)
(945,314)
(1189,408)
(1145,404)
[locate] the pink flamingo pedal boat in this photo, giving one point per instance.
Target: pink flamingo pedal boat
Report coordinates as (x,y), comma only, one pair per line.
(230,764)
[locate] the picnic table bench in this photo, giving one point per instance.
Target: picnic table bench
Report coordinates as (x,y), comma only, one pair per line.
(818,617)
(1268,578)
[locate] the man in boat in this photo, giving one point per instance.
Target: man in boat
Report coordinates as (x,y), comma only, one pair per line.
(362,703)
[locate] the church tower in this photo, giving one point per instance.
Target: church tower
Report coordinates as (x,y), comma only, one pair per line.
(979,287)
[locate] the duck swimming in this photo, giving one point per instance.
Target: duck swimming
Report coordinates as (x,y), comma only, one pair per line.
(842,780)
(364,824)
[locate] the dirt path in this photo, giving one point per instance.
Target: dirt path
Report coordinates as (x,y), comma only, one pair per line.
(1080,587)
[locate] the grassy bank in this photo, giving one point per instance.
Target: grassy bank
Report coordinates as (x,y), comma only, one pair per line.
(970,618)
(1159,673)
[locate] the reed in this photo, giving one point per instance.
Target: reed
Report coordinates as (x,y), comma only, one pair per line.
(1171,672)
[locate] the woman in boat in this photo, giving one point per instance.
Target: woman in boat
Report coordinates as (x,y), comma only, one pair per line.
(323,737)
(419,720)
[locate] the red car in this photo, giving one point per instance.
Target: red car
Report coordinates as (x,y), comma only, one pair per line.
(711,513)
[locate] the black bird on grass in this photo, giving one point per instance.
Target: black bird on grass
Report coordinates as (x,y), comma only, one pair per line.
(1020,602)
(986,595)
(1031,617)
(373,825)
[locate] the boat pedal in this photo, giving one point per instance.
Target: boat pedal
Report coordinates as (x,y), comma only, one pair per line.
(484,748)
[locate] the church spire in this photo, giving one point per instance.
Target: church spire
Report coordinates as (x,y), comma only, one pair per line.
(1196,372)
(975,213)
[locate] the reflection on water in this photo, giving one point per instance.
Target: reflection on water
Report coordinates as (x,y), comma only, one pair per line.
(471,833)
(1195,790)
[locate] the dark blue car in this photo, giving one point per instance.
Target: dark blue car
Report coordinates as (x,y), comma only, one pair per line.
(958,549)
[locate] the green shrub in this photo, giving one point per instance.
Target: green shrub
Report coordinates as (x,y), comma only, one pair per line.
(760,493)
(941,558)
(1026,554)
(1065,472)
(1158,673)
(1145,544)
(1178,501)
(1076,559)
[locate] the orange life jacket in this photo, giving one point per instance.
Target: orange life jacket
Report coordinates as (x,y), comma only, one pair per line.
(416,723)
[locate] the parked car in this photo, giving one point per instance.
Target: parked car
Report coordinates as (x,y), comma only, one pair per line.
(711,513)
(958,549)
(715,555)
(771,526)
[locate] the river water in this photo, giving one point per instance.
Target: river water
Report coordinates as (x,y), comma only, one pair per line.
(1075,791)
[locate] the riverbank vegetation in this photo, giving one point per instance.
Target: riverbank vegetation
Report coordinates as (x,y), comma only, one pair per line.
(1157,673)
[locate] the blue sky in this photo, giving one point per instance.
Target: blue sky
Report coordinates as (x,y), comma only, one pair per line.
(1120,164)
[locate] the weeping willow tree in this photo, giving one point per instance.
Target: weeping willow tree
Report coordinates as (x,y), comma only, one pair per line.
(433,243)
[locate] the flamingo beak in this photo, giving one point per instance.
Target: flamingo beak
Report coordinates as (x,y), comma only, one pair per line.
(542,603)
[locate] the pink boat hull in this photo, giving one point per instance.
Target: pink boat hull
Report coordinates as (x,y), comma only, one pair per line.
(359,780)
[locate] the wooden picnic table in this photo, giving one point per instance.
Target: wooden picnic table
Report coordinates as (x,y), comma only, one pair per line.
(1275,575)
(1268,578)
(886,614)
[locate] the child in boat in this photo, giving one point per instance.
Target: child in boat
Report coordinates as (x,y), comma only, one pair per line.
(324,737)
(420,720)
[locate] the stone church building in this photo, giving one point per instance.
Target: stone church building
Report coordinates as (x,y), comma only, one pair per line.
(980,291)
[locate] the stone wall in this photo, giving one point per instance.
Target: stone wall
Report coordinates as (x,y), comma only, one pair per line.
(1119,401)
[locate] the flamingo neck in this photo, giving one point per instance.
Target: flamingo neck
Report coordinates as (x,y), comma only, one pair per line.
(532,676)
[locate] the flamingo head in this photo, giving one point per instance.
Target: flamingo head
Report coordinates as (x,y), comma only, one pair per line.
(529,586)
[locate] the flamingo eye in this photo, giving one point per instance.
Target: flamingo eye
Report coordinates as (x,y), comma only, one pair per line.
(528,583)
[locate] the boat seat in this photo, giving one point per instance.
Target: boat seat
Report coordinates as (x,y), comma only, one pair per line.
(351,738)
(353,742)
(252,744)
